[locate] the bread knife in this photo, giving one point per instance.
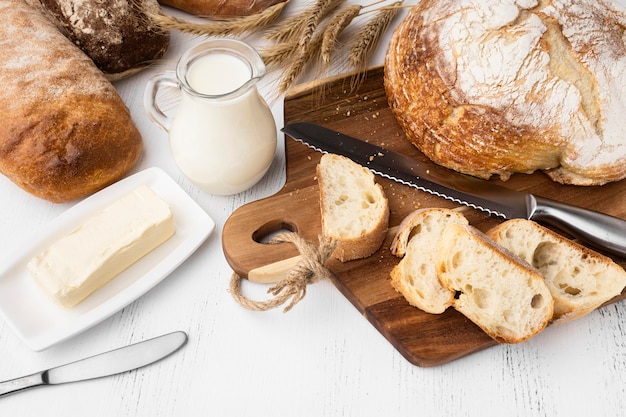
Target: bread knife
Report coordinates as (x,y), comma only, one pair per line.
(104,364)
(599,230)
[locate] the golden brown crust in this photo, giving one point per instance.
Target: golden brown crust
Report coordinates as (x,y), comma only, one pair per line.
(221,8)
(453,134)
(432,106)
(66,132)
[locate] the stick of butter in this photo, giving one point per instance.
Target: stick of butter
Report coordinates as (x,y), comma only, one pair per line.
(105,245)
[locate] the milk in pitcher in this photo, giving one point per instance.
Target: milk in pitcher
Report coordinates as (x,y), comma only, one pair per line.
(223,135)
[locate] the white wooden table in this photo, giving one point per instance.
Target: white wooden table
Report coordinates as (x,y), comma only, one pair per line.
(321,358)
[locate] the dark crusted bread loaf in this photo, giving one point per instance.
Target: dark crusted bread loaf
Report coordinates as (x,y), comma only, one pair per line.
(495,87)
(65,133)
(117,35)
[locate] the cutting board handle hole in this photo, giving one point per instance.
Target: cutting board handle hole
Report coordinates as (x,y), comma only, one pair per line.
(270,229)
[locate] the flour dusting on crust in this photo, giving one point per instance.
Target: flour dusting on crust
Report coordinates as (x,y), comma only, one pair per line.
(525,85)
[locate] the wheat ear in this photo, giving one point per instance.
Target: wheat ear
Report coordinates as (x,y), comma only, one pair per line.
(371,33)
(299,63)
(278,54)
(334,28)
(296,26)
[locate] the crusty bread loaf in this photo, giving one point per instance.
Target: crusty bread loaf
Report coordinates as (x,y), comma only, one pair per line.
(415,276)
(117,35)
(500,293)
(579,279)
(354,208)
(65,131)
(495,87)
(221,8)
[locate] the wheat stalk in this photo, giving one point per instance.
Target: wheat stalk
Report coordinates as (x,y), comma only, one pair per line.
(298,41)
(233,26)
(334,28)
(302,35)
(304,22)
(371,33)
(299,63)
(367,40)
(278,53)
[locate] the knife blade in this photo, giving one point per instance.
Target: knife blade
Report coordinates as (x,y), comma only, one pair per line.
(104,364)
(599,230)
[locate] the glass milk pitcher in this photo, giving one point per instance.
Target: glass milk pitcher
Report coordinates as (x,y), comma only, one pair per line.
(222,135)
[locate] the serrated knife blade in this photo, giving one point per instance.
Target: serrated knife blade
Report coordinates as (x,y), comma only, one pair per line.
(600,230)
(104,364)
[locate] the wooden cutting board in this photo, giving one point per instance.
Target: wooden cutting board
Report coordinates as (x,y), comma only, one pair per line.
(423,339)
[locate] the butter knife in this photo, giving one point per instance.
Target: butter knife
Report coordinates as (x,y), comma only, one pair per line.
(600,230)
(104,364)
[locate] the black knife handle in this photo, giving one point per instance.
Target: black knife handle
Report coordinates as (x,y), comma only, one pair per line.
(600,230)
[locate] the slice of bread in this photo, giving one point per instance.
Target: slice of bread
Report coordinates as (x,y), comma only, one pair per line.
(499,292)
(579,279)
(416,242)
(354,208)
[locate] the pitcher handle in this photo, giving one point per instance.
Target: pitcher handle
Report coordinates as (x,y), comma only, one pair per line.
(154,112)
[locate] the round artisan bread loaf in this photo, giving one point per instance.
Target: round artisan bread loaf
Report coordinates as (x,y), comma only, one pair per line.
(354,208)
(66,133)
(496,87)
(117,35)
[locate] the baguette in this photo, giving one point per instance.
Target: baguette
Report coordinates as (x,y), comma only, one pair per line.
(415,276)
(579,279)
(354,208)
(221,8)
(118,36)
(499,292)
(65,133)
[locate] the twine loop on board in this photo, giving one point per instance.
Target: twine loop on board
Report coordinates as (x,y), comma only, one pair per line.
(308,271)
